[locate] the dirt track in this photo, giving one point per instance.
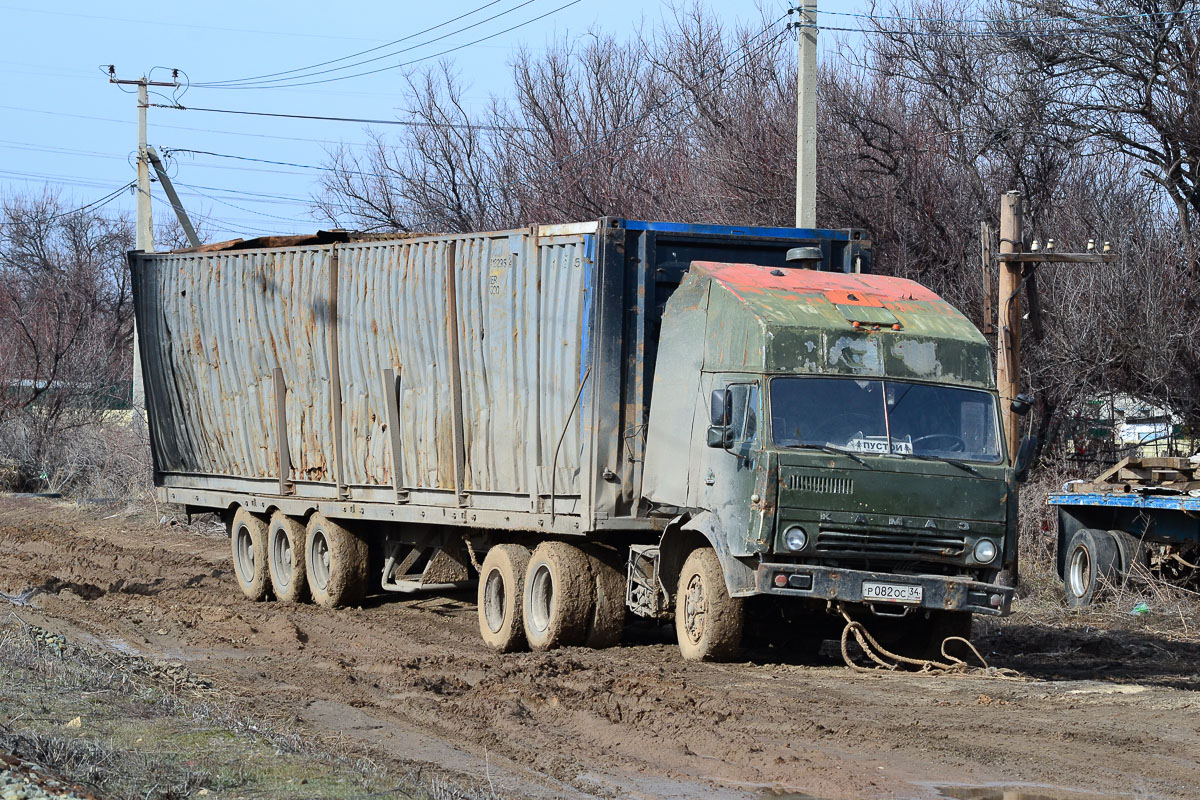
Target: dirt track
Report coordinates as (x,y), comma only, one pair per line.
(1112,713)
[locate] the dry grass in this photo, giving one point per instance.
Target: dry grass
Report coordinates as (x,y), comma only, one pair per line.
(98,456)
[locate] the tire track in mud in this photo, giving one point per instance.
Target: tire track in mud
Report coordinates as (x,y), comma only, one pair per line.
(410,677)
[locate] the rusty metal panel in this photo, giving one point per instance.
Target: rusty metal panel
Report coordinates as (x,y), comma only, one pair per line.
(392,315)
(216,326)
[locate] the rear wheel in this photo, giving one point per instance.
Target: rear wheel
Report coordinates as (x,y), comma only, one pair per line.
(608,607)
(285,557)
(558,597)
(1092,558)
(248,541)
(335,563)
(708,622)
(501,582)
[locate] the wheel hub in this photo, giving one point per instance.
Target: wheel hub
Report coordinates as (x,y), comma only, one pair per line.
(320,560)
(245,555)
(694,608)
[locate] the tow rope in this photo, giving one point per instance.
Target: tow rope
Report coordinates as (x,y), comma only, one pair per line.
(886,659)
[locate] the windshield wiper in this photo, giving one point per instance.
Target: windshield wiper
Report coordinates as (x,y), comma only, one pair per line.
(828,448)
(960,464)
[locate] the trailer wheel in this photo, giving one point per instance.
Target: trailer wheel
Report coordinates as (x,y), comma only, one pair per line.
(501,583)
(248,541)
(558,597)
(1092,555)
(285,558)
(335,561)
(608,607)
(708,622)
(1133,551)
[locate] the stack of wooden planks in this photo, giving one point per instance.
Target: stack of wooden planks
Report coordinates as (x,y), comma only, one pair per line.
(1150,475)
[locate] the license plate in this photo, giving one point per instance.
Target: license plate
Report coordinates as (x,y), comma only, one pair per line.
(891,592)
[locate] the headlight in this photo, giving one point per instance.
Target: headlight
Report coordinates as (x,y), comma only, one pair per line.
(985,551)
(795,538)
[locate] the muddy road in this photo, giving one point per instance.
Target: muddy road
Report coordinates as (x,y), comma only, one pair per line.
(1111,713)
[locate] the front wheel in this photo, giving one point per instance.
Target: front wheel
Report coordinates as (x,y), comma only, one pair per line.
(708,622)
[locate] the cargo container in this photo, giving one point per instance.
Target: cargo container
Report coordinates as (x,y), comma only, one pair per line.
(587,419)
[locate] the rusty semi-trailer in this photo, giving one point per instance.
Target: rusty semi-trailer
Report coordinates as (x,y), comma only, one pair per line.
(708,423)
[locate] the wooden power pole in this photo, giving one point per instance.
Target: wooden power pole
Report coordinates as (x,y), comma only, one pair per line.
(1008,324)
(1018,268)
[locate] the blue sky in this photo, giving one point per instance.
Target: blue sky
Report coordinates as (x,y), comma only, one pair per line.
(65,126)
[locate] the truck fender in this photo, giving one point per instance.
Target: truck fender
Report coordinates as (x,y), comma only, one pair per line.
(685,534)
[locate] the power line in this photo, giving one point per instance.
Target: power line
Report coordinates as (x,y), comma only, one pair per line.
(402,64)
(259,78)
(186,128)
(943,20)
(981,34)
(96,204)
(359,120)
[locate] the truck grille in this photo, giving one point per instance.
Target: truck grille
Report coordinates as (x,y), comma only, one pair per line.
(820,484)
(890,544)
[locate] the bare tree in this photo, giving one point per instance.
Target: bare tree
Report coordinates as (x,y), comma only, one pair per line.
(65,324)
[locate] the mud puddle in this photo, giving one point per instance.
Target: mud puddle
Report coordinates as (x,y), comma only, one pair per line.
(1020,792)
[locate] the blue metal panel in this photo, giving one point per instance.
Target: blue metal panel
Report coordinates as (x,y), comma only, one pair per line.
(1168,502)
(736,230)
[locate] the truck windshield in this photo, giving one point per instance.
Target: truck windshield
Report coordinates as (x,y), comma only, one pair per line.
(885,417)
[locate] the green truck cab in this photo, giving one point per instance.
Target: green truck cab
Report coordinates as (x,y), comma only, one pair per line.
(844,447)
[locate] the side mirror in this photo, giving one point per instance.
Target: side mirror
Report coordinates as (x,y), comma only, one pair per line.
(720,407)
(1021,404)
(1024,458)
(720,436)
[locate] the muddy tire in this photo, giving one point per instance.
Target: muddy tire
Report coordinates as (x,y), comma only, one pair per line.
(558,597)
(608,606)
(248,543)
(708,622)
(285,558)
(501,588)
(1092,558)
(335,561)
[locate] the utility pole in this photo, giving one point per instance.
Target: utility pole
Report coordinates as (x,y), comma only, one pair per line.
(1018,269)
(145,222)
(1008,324)
(806,118)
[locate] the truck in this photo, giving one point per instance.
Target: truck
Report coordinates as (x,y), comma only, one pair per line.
(720,426)
(1139,517)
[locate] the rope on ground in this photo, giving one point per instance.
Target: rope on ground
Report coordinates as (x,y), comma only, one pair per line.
(885,659)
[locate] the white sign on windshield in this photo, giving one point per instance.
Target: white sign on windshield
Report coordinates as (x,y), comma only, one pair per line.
(878,444)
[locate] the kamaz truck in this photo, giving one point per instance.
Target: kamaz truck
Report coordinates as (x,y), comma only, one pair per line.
(727,427)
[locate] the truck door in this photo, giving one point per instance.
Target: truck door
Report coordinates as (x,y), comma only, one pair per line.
(730,458)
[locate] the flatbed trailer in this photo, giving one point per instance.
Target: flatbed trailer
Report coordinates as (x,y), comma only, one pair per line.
(1140,514)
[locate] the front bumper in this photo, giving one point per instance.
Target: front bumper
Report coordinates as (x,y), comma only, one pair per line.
(938,591)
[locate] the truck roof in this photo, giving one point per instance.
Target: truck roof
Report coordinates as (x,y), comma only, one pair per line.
(836,323)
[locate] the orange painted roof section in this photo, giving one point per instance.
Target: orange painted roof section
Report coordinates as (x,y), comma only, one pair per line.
(749,278)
